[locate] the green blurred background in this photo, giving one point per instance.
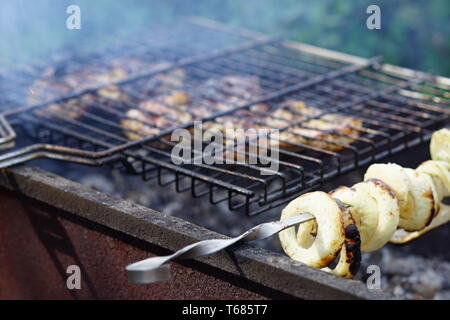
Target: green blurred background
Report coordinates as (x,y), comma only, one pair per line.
(414,34)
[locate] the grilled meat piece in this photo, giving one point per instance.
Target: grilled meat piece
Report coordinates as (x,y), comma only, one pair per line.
(158,114)
(229,92)
(74,108)
(167,81)
(330,132)
(172,115)
(52,87)
(177,98)
(174,107)
(58,82)
(138,124)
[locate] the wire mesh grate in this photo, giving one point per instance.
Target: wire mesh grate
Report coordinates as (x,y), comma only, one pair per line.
(332,116)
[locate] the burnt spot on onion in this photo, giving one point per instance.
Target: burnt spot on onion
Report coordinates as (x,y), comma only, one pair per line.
(353,248)
(335,190)
(428,194)
(383,186)
(351,232)
(356,264)
(432,214)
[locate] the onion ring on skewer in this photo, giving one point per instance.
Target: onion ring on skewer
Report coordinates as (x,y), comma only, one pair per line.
(390,197)
(387,209)
(363,209)
(335,232)
(401,236)
(330,236)
(350,255)
(395,177)
(375,209)
(440,145)
(440,173)
(425,199)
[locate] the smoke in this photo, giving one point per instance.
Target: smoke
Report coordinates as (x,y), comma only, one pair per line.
(414,34)
(32,30)
(25,29)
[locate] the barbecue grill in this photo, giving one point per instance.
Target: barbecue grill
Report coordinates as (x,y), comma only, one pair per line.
(398,108)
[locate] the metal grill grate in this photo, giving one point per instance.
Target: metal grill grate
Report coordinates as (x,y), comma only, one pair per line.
(265,83)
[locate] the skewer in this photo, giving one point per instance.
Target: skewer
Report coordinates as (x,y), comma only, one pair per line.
(343,236)
(156,269)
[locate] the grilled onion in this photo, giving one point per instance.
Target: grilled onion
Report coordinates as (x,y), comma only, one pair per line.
(390,197)
(439,171)
(363,207)
(440,145)
(395,177)
(318,243)
(350,254)
(322,250)
(375,208)
(424,195)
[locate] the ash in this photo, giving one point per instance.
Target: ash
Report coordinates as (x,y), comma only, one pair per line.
(410,276)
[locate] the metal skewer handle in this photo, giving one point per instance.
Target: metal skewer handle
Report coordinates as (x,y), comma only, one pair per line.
(155,269)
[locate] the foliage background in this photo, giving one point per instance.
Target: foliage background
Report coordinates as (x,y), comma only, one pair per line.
(414,34)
